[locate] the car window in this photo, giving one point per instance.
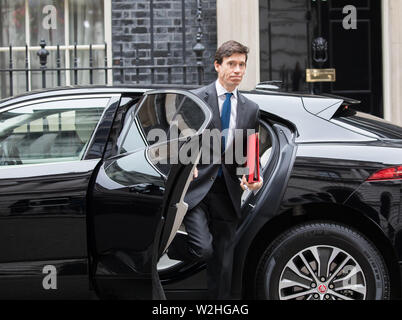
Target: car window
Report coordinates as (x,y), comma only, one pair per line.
(163,118)
(49,131)
(369,124)
(174,114)
(130,138)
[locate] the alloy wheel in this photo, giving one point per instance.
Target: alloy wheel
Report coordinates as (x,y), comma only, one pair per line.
(322,273)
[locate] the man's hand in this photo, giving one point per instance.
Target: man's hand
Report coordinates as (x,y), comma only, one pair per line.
(250,186)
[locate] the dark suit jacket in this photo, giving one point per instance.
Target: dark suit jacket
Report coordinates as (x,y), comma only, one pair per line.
(247,118)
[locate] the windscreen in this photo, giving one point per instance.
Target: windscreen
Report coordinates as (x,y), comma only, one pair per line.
(370,124)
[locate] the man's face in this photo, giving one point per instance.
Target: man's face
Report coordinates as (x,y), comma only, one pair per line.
(231,70)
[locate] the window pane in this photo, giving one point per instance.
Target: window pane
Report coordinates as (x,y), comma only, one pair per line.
(12,23)
(371,124)
(46,21)
(12,32)
(171,113)
(163,118)
(53,122)
(19,77)
(83,76)
(48,132)
(132,137)
(86,21)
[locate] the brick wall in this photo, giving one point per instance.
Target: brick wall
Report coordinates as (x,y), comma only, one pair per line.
(131,28)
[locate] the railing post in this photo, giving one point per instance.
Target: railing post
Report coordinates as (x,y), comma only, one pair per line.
(91,79)
(26,68)
(121,64)
(43,53)
(183,26)
(151,28)
(106,63)
(137,62)
(11,70)
(199,48)
(75,64)
(169,54)
(58,66)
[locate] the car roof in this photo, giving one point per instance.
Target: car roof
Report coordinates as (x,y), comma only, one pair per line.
(289,107)
(135,88)
(72,90)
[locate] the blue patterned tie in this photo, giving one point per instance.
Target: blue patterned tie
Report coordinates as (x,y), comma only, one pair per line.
(225,120)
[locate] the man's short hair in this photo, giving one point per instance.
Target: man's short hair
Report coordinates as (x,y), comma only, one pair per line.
(228,48)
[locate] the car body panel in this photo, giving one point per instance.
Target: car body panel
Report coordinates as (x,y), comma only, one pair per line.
(338,171)
(318,105)
(43,213)
(307,124)
(43,219)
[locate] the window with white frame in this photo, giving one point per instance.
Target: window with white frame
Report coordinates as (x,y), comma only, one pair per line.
(58,22)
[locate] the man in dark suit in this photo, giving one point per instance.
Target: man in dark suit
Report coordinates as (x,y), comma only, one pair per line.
(214,195)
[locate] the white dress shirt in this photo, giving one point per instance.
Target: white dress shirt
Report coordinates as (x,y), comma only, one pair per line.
(220,91)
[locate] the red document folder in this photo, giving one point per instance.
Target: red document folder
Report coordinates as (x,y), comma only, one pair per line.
(253,162)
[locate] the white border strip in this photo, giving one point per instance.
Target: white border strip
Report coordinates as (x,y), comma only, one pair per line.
(67,41)
(108,38)
(28,41)
(386,59)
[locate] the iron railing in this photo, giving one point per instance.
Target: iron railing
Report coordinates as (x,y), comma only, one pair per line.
(118,66)
(43,54)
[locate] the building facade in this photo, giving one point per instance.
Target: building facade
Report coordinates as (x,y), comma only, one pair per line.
(363,39)
(104,41)
(156,41)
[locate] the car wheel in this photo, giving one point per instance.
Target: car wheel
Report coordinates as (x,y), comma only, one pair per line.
(322,261)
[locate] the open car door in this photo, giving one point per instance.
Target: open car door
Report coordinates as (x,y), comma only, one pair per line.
(137,198)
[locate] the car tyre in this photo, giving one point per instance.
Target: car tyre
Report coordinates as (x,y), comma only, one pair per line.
(305,263)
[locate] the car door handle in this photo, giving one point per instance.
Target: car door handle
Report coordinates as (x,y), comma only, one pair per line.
(141,188)
(49,202)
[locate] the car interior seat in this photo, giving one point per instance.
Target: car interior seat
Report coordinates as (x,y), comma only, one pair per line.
(9,153)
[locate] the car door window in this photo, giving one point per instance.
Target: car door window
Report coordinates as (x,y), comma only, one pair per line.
(160,119)
(174,114)
(48,131)
(130,138)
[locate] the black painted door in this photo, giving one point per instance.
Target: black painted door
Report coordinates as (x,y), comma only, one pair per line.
(355,53)
(285,42)
(287,29)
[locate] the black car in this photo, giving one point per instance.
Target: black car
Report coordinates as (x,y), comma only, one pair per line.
(88,210)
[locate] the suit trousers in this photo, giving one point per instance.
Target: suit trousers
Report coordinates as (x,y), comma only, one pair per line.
(211,227)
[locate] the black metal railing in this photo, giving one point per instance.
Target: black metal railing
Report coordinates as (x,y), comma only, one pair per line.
(118,66)
(121,68)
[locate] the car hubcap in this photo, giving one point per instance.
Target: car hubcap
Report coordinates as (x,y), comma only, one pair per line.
(322,273)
